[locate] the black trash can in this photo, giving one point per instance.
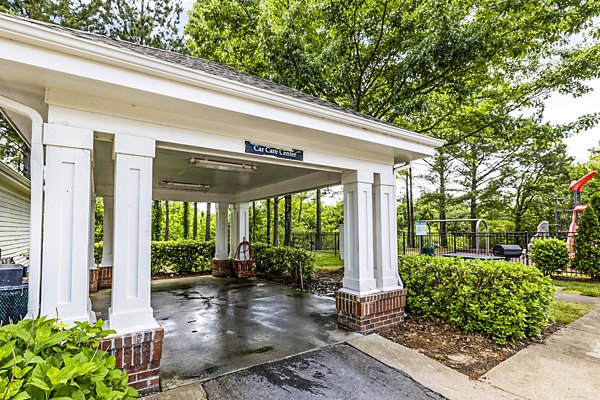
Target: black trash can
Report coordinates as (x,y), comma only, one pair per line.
(13,293)
(428,251)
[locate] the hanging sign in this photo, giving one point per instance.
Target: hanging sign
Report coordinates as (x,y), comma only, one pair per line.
(421,228)
(252,148)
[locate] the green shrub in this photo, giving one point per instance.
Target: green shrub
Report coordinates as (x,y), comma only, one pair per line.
(504,300)
(282,263)
(181,257)
(587,244)
(41,360)
(551,256)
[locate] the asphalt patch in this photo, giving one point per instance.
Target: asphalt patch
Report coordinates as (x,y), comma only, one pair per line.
(336,372)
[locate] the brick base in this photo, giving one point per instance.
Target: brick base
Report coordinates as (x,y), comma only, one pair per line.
(93,280)
(138,353)
(374,311)
(221,268)
(104,277)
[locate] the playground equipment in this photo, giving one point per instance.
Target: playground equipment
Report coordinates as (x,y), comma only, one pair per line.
(576,187)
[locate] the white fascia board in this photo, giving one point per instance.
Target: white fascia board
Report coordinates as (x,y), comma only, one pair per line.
(14,180)
(315,180)
(69,44)
(190,196)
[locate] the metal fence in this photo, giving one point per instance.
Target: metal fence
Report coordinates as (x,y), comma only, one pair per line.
(475,243)
(310,241)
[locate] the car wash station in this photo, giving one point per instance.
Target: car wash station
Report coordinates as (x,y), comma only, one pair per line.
(132,124)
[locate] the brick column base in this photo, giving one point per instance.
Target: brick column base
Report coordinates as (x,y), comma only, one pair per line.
(139,354)
(104,277)
(374,311)
(93,279)
(221,268)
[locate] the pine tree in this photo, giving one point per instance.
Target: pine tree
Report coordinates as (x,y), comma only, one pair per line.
(186,220)
(587,244)
(156,220)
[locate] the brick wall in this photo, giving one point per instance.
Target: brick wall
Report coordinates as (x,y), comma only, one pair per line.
(93,279)
(138,353)
(368,313)
(221,268)
(100,278)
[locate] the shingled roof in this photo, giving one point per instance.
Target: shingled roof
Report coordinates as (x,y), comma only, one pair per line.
(210,67)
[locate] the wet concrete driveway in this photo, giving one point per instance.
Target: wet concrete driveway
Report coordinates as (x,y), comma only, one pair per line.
(218,325)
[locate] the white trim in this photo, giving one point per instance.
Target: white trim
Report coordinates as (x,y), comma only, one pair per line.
(15,180)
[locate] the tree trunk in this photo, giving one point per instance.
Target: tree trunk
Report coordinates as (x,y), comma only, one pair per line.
(441,169)
(275,221)
(268,241)
(287,237)
(300,209)
(410,222)
(167,220)
(207,226)
(156,220)
(319,235)
(195,220)
(186,220)
(253,233)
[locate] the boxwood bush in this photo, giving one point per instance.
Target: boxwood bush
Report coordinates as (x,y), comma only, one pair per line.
(40,359)
(282,263)
(180,257)
(507,301)
(551,256)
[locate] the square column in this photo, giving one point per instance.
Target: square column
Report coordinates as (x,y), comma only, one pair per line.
(242,220)
(385,229)
(107,232)
(359,275)
(221,266)
(233,226)
(130,309)
(66,230)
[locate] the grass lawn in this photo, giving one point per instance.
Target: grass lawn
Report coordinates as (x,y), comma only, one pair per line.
(327,260)
(578,287)
(565,312)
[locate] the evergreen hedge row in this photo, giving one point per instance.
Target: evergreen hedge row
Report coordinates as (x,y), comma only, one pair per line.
(505,300)
(283,263)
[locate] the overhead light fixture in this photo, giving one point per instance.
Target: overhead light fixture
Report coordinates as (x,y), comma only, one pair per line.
(222,165)
(183,185)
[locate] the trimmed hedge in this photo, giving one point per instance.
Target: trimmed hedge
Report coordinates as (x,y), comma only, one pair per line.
(180,257)
(551,256)
(505,300)
(282,263)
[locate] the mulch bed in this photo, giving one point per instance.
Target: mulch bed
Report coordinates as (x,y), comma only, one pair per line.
(472,354)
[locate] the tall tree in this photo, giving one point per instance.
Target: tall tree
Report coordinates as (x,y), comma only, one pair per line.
(268,222)
(207,226)
(276,221)
(195,226)
(319,227)
(287,237)
(186,220)
(156,220)
(167,220)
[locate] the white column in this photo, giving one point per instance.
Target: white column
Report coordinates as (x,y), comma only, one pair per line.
(222,237)
(385,242)
(242,222)
(107,232)
(359,276)
(65,276)
(130,309)
(233,226)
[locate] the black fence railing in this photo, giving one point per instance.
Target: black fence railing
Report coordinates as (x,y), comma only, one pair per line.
(311,241)
(475,243)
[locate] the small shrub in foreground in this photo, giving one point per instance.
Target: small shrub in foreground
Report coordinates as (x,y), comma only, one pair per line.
(39,359)
(507,301)
(283,262)
(551,256)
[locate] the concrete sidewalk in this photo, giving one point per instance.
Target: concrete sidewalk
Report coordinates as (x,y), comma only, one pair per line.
(566,366)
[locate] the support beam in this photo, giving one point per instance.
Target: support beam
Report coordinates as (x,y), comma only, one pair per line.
(233,227)
(385,243)
(92,230)
(107,232)
(359,278)
(221,237)
(130,309)
(65,273)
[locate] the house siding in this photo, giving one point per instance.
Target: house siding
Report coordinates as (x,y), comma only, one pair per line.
(14,224)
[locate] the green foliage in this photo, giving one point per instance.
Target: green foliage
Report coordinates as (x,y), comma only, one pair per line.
(565,312)
(587,244)
(181,257)
(507,301)
(325,259)
(39,359)
(582,287)
(12,146)
(551,256)
(282,263)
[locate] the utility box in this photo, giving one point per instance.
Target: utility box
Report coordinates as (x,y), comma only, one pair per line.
(508,251)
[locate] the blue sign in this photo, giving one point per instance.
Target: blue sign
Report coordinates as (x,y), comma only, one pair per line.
(251,148)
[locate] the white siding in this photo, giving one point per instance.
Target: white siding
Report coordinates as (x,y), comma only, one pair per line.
(14,224)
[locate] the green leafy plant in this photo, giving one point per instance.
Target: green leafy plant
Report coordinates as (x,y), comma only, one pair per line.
(282,263)
(507,301)
(551,256)
(587,244)
(40,359)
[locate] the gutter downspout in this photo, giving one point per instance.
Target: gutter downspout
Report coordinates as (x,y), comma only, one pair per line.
(37,197)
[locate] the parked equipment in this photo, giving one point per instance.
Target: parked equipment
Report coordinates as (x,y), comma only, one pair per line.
(507,251)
